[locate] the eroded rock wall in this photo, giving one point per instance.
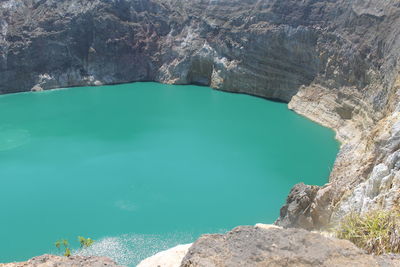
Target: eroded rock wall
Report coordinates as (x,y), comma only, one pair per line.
(365,115)
(334,61)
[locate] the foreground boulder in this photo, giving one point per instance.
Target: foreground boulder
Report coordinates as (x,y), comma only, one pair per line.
(61,261)
(274,246)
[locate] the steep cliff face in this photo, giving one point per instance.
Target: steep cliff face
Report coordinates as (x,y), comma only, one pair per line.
(334,61)
(363,109)
(230,45)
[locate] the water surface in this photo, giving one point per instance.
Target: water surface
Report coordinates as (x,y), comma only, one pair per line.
(142,167)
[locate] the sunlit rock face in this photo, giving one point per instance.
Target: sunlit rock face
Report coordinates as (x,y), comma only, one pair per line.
(266,246)
(334,61)
(231,45)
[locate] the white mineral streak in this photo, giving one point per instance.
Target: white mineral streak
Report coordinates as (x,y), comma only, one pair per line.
(167,258)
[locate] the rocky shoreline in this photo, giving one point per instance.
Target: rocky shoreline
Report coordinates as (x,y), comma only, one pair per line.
(335,62)
(61,261)
(260,245)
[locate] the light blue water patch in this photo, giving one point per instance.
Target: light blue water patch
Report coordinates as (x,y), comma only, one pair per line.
(143,167)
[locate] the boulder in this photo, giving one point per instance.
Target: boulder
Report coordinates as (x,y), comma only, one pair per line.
(273,246)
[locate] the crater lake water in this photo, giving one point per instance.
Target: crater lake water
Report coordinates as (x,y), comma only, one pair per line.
(143,167)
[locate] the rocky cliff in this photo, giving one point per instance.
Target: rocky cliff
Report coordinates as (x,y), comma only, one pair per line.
(334,61)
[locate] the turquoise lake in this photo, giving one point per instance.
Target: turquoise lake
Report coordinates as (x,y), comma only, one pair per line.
(143,167)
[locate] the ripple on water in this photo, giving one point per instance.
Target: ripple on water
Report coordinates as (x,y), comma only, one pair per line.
(130,249)
(13,138)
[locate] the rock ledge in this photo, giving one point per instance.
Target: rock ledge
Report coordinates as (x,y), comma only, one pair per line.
(61,261)
(273,246)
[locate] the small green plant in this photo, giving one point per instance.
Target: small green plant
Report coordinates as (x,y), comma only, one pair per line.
(376,232)
(57,244)
(67,252)
(65,244)
(85,242)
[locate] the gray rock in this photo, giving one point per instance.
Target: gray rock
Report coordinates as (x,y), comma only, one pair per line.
(297,210)
(61,261)
(254,246)
(307,207)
